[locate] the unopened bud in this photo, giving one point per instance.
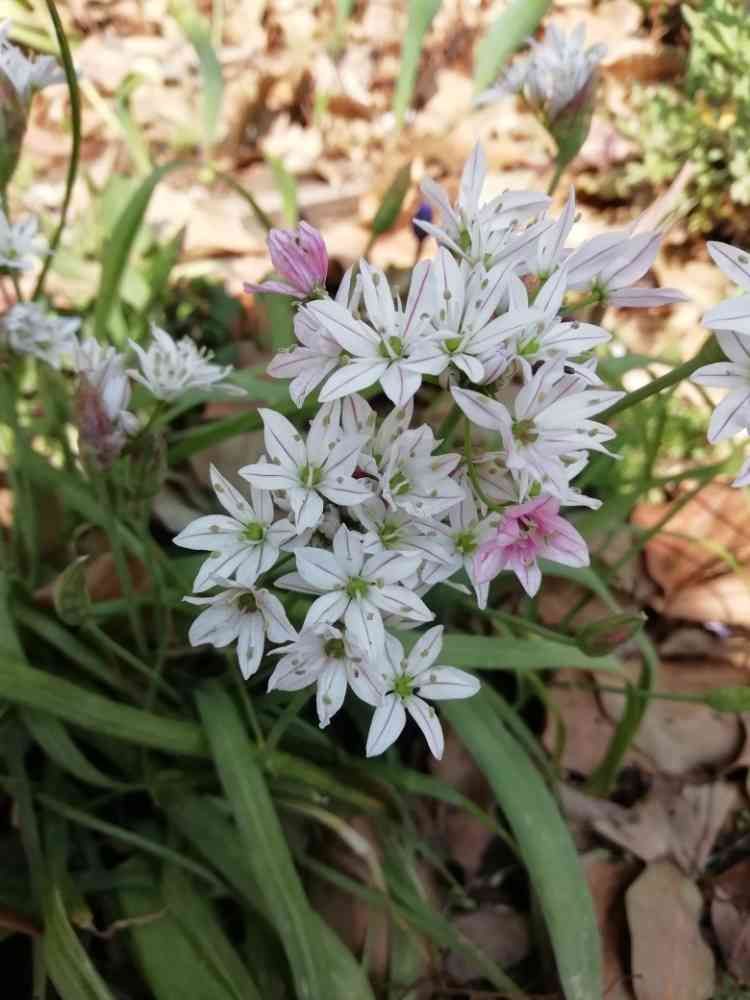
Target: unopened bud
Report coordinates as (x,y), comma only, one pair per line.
(422,214)
(13,117)
(70,594)
(569,126)
(729,699)
(101,440)
(603,636)
(392,201)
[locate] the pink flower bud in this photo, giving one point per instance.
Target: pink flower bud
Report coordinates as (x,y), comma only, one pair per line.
(301,259)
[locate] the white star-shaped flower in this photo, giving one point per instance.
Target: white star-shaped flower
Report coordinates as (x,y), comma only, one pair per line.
(243,543)
(414,479)
(408,682)
(243,614)
(308,471)
(332,660)
(169,368)
(356,588)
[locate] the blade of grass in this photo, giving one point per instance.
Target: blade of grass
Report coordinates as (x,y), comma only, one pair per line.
(268,855)
(197,920)
(136,840)
(544,843)
(118,246)
(421,13)
(286,185)
(53,738)
(75,142)
(534,653)
(70,968)
(171,966)
(31,688)
(516,23)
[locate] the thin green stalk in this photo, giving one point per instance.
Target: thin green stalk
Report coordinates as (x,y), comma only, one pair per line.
(709,353)
(556,177)
(114,647)
(447,427)
(471,469)
(75,149)
(121,563)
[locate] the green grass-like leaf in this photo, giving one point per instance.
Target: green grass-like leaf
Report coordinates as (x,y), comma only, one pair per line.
(513,26)
(544,843)
(421,14)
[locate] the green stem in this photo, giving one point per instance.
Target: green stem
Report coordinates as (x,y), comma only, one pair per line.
(75,151)
(447,427)
(114,647)
(709,353)
(556,177)
(472,472)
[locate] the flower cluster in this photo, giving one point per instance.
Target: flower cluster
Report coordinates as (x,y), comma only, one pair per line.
(730,321)
(366,511)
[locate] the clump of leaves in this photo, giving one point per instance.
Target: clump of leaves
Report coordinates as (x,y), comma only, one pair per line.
(704,118)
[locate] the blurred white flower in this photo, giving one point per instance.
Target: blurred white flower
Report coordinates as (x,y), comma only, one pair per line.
(29,329)
(20,243)
(553,75)
(168,367)
(27,74)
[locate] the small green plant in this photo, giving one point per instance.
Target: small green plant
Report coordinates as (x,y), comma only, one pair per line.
(704,119)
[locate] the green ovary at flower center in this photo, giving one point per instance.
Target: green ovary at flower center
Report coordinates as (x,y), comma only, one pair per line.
(399,484)
(524,431)
(335,649)
(465,542)
(402,686)
(356,587)
(310,476)
(254,532)
(530,348)
(390,533)
(392,347)
(452,344)
(464,239)
(247,603)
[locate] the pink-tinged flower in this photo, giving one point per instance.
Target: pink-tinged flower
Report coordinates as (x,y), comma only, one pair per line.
(528,532)
(300,257)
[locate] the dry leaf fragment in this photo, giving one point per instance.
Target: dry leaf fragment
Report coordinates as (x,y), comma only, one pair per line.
(730,916)
(670,959)
(608,879)
(676,736)
(499,931)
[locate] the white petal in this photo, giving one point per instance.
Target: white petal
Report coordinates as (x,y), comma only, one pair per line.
(426,718)
(352,334)
(734,262)
(293,581)
(330,693)
(307,507)
(347,548)
(399,384)
(266,476)
(294,672)
(351,378)
(480,410)
(321,569)
(387,724)
(216,626)
(328,608)
(278,626)
(400,601)
(283,440)
(446,683)
(213,533)
(250,643)
(425,651)
(218,564)
(732,314)
(230,498)
(365,623)
(389,567)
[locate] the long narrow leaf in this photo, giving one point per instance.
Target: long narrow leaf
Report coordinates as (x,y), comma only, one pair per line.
(53,738)
(421,13)
(312,958)
(70,968)
(515,24)
(22,685)
(483,653)
(119,245)
(544,842)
